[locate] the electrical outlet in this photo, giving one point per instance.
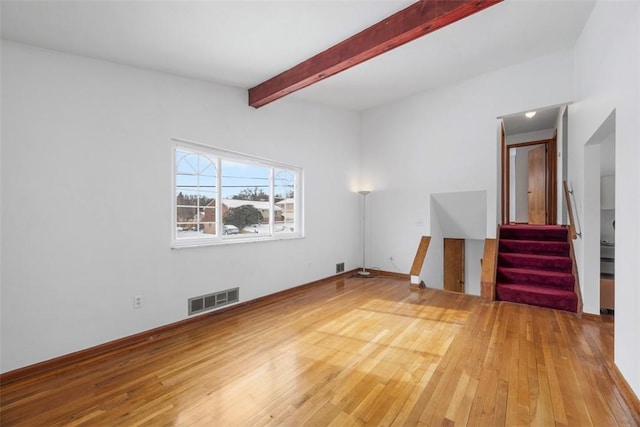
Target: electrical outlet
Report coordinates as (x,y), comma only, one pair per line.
(390,258)
(137,301)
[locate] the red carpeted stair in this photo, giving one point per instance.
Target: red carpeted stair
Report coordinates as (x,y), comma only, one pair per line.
(534,267)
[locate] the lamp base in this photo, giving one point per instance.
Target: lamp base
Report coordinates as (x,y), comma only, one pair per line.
(364,273)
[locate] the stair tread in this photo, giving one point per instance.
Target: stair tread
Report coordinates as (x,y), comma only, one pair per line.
(559,287)
(535,261)
(536,289)
(536,272)
(543,242)
(533,226)
(535,256)
(534,232)
(533,247)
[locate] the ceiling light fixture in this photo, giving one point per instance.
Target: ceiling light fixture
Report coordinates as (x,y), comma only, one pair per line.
(530,114)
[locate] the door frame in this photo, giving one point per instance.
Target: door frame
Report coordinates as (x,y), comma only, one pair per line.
(551,145)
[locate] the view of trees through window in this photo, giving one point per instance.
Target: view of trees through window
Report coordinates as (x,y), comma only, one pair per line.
(255,199)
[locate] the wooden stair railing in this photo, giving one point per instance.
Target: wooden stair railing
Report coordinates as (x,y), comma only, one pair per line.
(573,236)
(418,262)
(567,199)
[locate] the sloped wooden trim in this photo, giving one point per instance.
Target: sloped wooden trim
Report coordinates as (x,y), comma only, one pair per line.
(421,254)
(574,270)
(393,274)
(489,266)
(415,21)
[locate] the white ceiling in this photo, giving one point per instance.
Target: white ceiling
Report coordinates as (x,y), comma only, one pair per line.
(242,43)
(545,118)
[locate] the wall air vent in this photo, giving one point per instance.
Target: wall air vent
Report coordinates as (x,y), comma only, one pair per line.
(210,301)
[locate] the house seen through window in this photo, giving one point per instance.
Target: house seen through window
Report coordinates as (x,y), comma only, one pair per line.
(221,197)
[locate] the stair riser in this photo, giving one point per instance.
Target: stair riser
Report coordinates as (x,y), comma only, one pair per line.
(568,303)
(535,279)
(559,265)
(534,248)
(555,235)
(520,275)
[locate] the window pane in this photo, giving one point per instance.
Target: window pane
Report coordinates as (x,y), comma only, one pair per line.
(209,228)
(245,199)
(186,214)
(208,216)
(207,168)
(195,195)
(186,163)
(207,183)
(284,201)
(244,181)
(187,182)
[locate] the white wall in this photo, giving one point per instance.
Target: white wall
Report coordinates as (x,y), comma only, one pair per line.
(537,135)
(446,141)
(473,253)
(459,215)
(521,182)
(588,247)
(86,199)
(607,65)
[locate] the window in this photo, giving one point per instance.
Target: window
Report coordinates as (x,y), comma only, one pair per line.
(220,197)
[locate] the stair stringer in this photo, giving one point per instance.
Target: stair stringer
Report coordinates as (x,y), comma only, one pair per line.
(574,269)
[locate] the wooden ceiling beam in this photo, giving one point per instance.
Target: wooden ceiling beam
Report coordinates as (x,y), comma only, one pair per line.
(415,21)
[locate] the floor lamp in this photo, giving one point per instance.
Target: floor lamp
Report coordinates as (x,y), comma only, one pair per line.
(363,272)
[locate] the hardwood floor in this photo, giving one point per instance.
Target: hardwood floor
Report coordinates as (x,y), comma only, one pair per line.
(350,352)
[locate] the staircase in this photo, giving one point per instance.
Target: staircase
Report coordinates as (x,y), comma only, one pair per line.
(535,268)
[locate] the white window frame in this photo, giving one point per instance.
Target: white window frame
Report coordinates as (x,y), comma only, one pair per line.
(219,155)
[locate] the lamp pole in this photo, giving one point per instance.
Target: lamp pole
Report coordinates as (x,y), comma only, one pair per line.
(363,272)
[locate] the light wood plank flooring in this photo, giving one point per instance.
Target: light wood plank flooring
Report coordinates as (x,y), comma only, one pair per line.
(349,352)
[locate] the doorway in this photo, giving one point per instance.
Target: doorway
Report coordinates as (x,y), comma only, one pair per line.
(537,191)
(607,224)
(596,247)
(530,180)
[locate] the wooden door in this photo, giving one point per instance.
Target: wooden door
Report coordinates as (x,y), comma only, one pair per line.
(537,187)
(454,265)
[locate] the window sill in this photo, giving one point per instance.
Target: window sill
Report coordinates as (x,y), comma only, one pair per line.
(231,241)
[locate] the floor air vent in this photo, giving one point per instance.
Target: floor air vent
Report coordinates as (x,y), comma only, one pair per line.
(211,301)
